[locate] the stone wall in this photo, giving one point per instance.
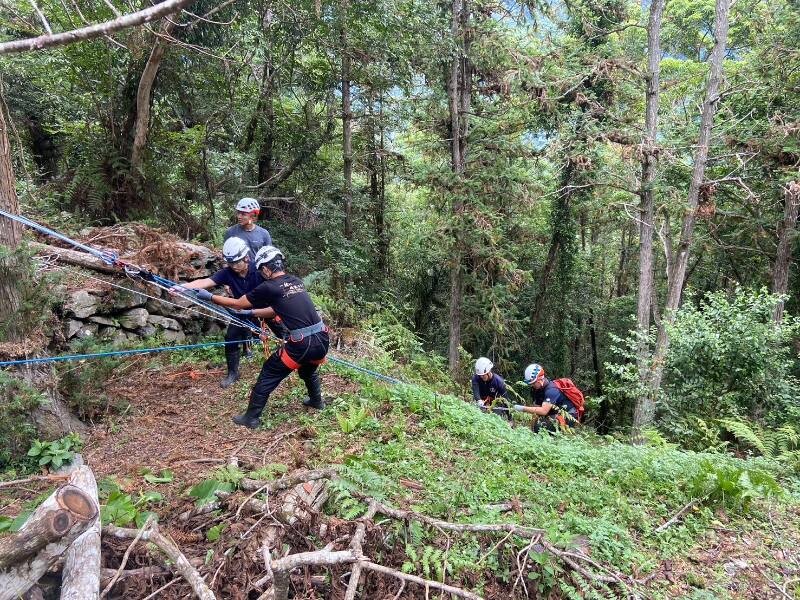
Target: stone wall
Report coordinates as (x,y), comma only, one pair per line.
(110,314)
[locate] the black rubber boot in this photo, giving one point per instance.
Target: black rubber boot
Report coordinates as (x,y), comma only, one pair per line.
(232,360)
(245,421)
(314,387)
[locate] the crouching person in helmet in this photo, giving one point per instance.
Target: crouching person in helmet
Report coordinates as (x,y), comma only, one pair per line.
(555,411)
(285,296)
(240,276)
(489,389)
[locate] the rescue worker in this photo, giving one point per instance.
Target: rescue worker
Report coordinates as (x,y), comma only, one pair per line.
(489,389)
(305,349)
(240,276)
(247,211)
(554,411)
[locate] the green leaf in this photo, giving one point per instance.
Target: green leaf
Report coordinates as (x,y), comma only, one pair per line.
(166,476)
(212,535)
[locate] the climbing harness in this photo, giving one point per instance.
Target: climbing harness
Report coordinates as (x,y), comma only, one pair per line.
(137,272)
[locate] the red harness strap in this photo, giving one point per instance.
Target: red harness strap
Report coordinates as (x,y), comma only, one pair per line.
(293,364)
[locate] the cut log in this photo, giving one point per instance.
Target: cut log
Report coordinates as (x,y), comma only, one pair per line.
(81,578)
(73,257)
(53,526)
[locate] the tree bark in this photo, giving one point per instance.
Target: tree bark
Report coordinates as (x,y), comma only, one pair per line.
(10,236)
(786,236)
(459,91)
(347,127)
(680,260)
(53,526)
(144,97)
(645,405)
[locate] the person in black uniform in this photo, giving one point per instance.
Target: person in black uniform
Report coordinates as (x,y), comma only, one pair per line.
(305,350)
(240,276)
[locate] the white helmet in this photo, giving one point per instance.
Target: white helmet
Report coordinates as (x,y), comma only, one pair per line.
(235,249)
(533,372)
(248,205)
(267,254)
(483,365)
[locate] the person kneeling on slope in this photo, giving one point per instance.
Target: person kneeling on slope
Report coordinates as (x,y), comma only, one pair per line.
(240,276)
(489,388)
(285,296)
(558,404)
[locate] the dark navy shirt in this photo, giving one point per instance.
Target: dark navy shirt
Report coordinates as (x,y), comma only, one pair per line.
(287,296)
(550,393)
(255,238)
(494,388)
(239,285)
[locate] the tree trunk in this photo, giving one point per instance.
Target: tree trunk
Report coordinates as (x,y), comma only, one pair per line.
(347,128)
(48,532)
(381,227)
(458,94)
(81,578)
(680,260)
(143,101)
(786,236)
(10,236)
(645,405)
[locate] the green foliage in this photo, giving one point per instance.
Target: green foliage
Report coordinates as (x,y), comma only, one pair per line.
(355,416)
(166,476)
(120,508)
(781,443)
(84,387)
(17,401)
(56,453)
(727,356)
(732,486)
(225,479)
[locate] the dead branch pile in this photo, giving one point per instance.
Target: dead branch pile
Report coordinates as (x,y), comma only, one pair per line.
(276,540)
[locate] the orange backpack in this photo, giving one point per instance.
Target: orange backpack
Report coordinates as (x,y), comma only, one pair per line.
(573,394)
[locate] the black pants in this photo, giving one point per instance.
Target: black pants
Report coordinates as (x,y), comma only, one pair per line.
(235,333)
(305,356)
(243,334)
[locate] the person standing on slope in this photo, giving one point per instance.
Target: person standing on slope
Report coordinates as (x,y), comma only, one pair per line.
(240,276)
(247,211)
(285,296)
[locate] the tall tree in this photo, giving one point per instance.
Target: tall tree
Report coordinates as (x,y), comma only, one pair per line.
(459,95)
(347,125)
(680,259)
(10,236)
(645,407)
(786,237)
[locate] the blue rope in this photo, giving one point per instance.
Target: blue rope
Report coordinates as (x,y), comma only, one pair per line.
(107,257)
(67,357)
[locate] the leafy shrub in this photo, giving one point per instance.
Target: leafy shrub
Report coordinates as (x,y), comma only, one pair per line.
(120,508)
(17,430)
(732,486)
(57,453)
(728,357)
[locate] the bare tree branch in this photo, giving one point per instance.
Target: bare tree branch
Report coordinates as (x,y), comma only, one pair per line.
(86,33)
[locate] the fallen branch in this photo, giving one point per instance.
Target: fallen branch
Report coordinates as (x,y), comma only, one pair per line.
(427,583)
(355,546)
(676,517)
(269,487)
(147,572)
(171,550)
(73,257)
(125,556)
(17,482)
